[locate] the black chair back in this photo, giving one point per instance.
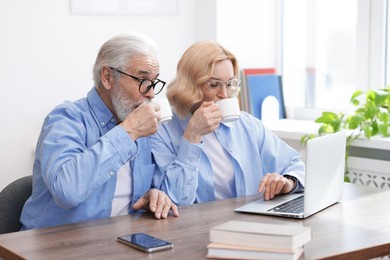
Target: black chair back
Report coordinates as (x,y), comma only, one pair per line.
(12,199)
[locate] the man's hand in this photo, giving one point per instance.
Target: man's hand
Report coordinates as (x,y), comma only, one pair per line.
(142,121)
(273,184)
(204,120)
(158,203)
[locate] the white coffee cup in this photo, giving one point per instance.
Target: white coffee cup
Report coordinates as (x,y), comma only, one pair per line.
(165,111)
(230,109)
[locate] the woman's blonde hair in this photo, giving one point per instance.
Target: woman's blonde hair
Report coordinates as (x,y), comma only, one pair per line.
(195,68)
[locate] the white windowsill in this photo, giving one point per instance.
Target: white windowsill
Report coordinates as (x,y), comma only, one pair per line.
(294,129)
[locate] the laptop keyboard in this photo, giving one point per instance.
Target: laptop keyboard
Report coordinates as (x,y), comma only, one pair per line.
(292,206)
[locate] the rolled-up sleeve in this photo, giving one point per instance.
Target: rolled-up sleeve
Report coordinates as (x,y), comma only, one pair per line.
(178,167)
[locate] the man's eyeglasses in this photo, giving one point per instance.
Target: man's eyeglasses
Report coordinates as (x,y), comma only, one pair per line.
(145,84)
(231,85)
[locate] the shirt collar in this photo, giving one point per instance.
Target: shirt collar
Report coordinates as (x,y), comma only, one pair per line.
(99,108)
(228,124)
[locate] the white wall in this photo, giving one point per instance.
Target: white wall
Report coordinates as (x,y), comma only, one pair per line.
(248,28)
(47,53)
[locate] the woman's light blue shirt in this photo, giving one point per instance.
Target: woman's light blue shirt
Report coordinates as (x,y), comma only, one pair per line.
(78,154)
(186,173)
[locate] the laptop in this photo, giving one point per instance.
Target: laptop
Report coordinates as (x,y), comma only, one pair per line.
(324,178)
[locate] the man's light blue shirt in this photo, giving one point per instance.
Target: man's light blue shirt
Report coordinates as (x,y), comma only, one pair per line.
(186,172)
(78,154)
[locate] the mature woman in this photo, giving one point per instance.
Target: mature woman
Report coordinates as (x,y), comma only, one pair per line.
(203,159)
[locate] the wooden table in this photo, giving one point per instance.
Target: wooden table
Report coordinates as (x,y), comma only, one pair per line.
(356,228)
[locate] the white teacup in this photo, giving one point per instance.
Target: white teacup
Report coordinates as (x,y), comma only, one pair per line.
(230,109)
(165,109)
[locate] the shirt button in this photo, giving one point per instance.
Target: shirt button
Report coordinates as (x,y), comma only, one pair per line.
(111,173)
(102,123)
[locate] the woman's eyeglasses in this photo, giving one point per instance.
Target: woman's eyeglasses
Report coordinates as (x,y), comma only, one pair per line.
(231,86)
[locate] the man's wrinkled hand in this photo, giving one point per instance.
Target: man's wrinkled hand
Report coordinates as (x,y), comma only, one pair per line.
(158,203)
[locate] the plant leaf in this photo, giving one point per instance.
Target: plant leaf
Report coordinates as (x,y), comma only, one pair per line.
(384,129)
(326,129)
(355,120)
(327,117)
(371,109)
(367,131)
(370,95)
(374,128)
(384,117)
(381,97)
(354,96)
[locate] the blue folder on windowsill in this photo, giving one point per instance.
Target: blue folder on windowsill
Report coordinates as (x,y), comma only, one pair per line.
(259,87)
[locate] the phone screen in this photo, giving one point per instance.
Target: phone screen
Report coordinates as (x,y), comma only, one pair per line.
(145,242)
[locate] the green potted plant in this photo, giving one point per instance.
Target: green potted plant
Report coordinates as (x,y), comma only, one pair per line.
(370,118)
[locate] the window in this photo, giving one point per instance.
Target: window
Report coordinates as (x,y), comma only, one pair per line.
(330,49)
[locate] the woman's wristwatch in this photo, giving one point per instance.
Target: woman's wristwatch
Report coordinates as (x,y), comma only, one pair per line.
(294,179)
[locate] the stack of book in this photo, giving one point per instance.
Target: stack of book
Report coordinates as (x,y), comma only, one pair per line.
(251,240)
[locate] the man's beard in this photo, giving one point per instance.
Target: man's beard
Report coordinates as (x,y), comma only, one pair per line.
(123,105)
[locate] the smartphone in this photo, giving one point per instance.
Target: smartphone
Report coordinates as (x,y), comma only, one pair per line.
(145,242)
